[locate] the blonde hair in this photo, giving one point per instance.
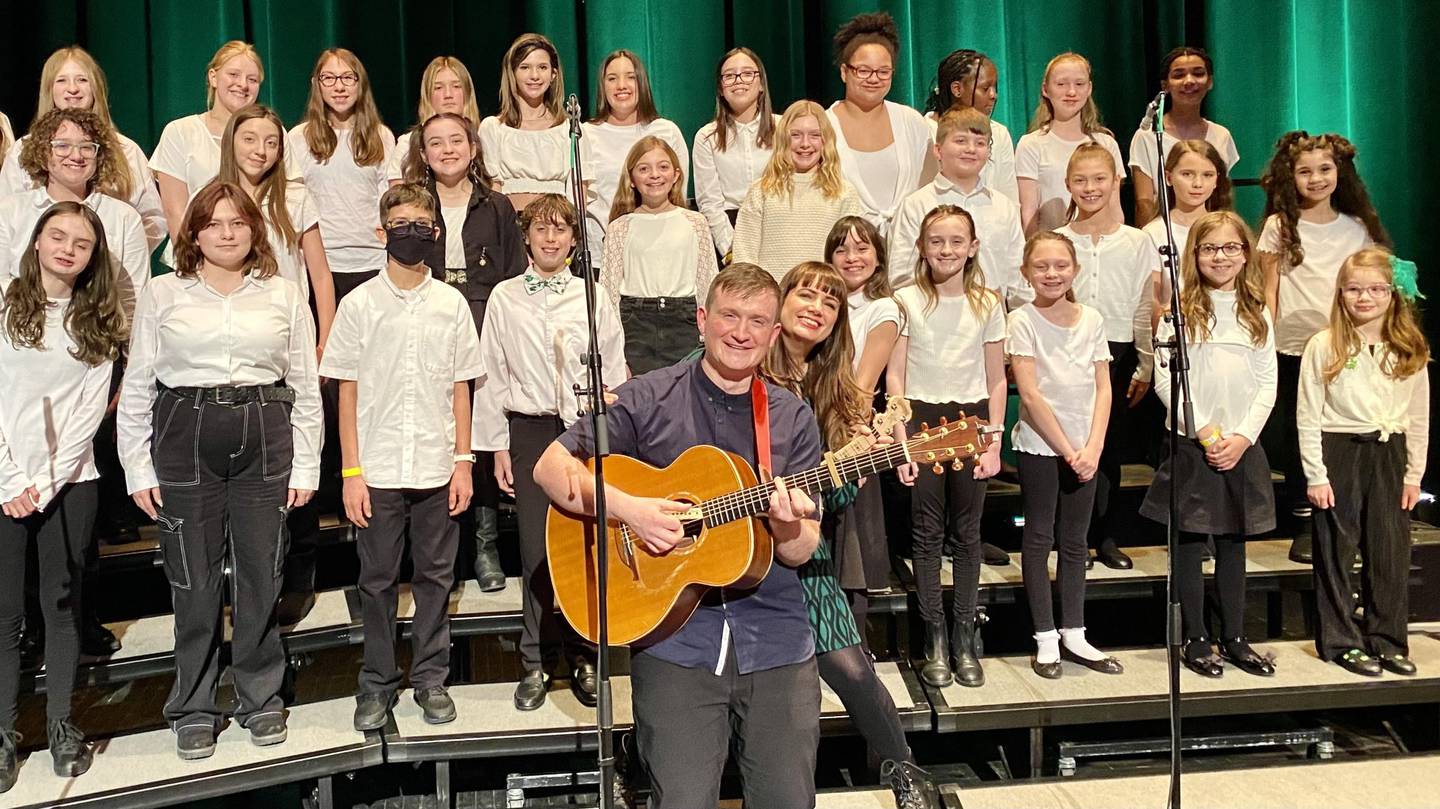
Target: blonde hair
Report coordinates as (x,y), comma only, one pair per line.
(1195,299)
(229,51)
(365,145)
(779,176)
(1045,112)
(1040,237)
(426,110)
(1090,150)
(270,191)
(1406,351)
(627,196)
(980,296)
(511,102)
(968,119)
(99,104)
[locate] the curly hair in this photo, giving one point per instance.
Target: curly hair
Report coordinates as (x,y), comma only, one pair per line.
(980,296)
(1406,351)
(416,170)
(1283,201)
(188,256)
(866,29)
(95,317)
(112,175)
(779,175)
(1195,299)
(366,147)
(1223,197)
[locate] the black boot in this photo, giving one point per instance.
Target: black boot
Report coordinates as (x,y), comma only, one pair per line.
(1301,547)
(964,648)
(9,759)
(936,669)
(912,786)
(487,557)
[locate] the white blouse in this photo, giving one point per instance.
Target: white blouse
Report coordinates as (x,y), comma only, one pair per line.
(913,141)
(346,199)
(945,346)
(997,226)
(1114,278)
(1232,380)
(1307,289)
(527,161)
(1142,147)
(722,178)
(1064,369)
(664,255)
(1043,156)
(603,148)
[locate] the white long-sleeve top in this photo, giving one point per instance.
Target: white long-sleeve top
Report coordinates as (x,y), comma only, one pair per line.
(1362,399)
(52,406)
(913,141)
(997,226)
(1232,380)
(188,335)
(723,178)
(531,349)
(777,232)
(1115,279)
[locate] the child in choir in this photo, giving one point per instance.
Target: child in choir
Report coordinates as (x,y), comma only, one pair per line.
(1186,75)
(883,146)
(968,79)
(1065,118)
(659,258)
(731,151)
(527,146)
(342,147)
(1317,214)
(405,350)
(71,79)
(445,87)
(253,157)
(536,334)
(1115,277)
(950,358)
(788,212)
(1060,358)
(1364,423)
(1220,476)
(220,431)
(63,328)
(1197,182)
(962,147)
(624,113)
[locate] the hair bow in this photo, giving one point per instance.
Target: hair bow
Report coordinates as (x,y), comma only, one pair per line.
(1404,274)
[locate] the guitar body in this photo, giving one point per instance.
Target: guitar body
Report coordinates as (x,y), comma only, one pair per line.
(652,595)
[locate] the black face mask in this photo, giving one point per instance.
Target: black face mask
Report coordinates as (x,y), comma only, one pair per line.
(409,244)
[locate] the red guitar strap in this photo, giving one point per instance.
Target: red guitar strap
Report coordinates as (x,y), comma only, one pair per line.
(760,407)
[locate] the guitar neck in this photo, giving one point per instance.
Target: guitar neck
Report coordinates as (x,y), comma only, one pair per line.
(835,473)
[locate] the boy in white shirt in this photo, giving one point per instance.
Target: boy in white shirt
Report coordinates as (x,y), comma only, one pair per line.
(404,348)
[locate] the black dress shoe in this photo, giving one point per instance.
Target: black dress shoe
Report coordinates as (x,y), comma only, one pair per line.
(372,709)
(1356,661)
(1398,664)
(583,683)
(1089,561)
(68,750)
(9,759)
(96,640)
(488,573)
(530,693)
(993,555)
(1050,671)
(1112,557)
(1105,665)
(1238,652)
(267,729)
(435,703)
(195,742)
(1201,659)
(292,608)
(1302,548)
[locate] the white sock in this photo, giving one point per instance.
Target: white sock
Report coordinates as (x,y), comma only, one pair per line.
(1048,647)
(1074,640)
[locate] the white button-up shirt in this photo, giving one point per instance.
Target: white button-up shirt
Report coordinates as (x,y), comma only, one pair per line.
(405,349)
(723,178)
(188,335)
(997,226)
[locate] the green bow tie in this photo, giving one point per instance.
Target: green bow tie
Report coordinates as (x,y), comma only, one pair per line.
(534,283)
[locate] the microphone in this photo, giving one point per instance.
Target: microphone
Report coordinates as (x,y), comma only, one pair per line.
(572,110)
(1157,104)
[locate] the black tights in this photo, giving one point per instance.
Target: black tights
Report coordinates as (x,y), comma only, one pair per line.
(852,677)
(1057,516)
(1229,584)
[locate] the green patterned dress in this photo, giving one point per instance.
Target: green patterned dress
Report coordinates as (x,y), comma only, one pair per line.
(830,614)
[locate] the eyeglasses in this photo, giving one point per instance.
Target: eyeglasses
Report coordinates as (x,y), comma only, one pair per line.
(1230,249)
(863,73)
(739,77)
(63,148)
(1377,291)
(345,79)
(419,227)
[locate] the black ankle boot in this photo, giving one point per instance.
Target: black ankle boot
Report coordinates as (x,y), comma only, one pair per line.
(936,670)
(68,749)
(965,655)
(1302,546)
(9,759)
(912,786)
(487,557)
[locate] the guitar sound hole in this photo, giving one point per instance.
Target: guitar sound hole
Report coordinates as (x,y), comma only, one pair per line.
(694,529)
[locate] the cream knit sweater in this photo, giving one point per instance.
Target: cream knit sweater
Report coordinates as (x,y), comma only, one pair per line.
(778,232)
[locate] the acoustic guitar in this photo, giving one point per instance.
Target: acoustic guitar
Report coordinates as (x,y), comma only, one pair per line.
(726,544)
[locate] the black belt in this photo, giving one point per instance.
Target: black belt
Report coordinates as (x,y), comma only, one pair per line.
(231,395)
(656,303)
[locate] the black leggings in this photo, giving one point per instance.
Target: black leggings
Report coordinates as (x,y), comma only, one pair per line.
(852,676)
(947,504)
(1057,512)
(1119,438)
(1229,584)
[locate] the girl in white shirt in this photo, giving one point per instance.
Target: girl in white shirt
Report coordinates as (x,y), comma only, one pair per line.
(883,146)
(1197,182)
(1317,214)
(1065,118)
(341,148)
(788,212)
(1220,476)
(1364,423)
(731,151)
(658,258)
(1116,278)
(1186,75)
(527,146)
(71,79)
(624,113)
(968,78)
(445,86)
(950,359)
(7,135)
(63,328)
(1060,360)
(220,432)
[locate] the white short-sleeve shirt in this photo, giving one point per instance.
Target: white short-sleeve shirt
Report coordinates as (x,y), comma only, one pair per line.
(1142,147)
(1042,156)
(1064,369)
(945,349)
(866,315)
(346,198)
(1308,288)
(527,161)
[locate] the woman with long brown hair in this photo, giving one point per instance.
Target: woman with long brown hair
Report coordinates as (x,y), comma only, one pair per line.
(527,146)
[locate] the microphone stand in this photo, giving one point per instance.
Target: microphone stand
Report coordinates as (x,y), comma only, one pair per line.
(1182,424)
(594,391)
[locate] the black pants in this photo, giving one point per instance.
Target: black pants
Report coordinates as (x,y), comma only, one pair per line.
(1282,441)
(223,473)
(543,635)
(658,331)
(687,719)
(434,539)
(1368,477)
(1229,584)
(1057,513)
(60,534)
(346,282)
(1119,443)
(851,675)
(949,503)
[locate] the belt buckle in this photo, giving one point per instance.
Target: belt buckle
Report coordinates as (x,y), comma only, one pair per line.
(227,397)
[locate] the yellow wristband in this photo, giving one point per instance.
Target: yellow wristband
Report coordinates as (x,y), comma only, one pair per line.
(352,472)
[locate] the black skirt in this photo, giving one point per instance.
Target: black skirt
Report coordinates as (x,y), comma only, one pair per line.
(1238,502)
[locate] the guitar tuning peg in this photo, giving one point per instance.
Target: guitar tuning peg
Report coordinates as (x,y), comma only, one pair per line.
(957,465)
(944,421)
(938,468)
(961,425)
(924,426)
